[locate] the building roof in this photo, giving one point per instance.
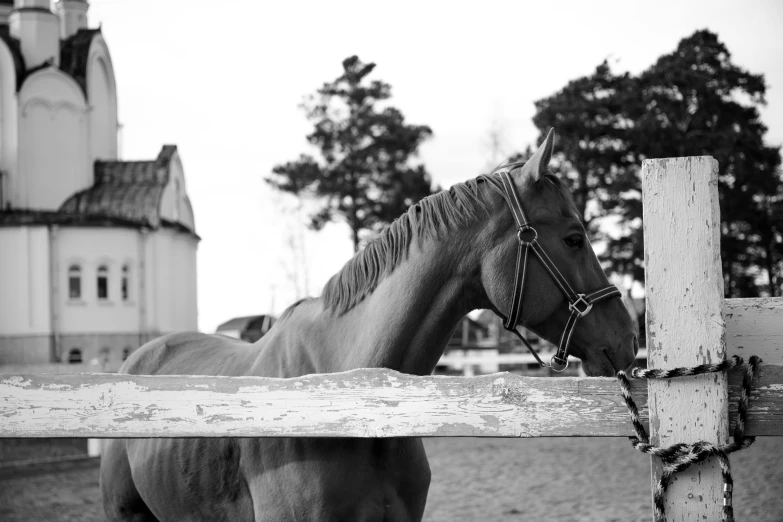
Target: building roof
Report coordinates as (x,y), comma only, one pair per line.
(126,191)
(238,323)
(74,53)
(16,52)
(22,217)
(249,328)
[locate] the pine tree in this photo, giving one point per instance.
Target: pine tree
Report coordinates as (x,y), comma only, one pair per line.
(364,175)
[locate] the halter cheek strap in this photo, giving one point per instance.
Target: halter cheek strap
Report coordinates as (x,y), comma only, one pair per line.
(578,304)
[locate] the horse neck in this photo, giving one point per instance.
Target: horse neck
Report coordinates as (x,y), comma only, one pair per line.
(408,319)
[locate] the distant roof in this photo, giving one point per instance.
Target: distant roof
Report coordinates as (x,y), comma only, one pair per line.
(249,328)
(238,323)
(74,53)
(129,191)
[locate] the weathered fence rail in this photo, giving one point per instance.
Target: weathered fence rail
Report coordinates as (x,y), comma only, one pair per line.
(372,403)
(358,403)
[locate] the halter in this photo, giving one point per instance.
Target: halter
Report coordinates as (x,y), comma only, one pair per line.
(579,304)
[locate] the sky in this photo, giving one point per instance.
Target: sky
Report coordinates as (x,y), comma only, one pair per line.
(223,81)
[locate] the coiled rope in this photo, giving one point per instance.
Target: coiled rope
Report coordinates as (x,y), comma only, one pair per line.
(677,457)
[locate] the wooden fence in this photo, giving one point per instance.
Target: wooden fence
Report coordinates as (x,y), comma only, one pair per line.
(688,323)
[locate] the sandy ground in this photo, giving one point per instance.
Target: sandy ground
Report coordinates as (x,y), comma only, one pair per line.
(577,479)
(473,479)
(14,450)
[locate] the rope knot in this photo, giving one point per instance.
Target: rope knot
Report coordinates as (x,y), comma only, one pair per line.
(678,457)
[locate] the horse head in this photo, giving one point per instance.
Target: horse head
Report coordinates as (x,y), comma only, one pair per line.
(559,266)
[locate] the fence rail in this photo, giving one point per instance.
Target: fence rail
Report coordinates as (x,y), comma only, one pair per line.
(358,403)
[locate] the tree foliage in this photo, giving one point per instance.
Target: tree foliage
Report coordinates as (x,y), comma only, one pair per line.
(694,101)
(364,174)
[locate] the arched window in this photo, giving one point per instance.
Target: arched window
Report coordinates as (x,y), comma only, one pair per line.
(125,283)
(103,282)
(75,356)
(126,352)
(74,282)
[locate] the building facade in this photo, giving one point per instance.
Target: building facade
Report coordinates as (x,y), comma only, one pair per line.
(97,255)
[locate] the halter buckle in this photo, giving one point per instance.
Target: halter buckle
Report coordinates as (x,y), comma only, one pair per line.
(526,230)
(580,302)
(555,360)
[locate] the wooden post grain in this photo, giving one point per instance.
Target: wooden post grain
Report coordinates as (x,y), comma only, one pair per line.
(685,325)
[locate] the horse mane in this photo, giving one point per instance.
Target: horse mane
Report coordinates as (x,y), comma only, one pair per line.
(451,208)
(447,209)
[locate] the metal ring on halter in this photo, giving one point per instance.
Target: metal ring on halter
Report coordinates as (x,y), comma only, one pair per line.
(556,360)
(524,229)
(580,301)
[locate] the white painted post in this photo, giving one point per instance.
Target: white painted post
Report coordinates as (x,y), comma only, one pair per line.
(685,326)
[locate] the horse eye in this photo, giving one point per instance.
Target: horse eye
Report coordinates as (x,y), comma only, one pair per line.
(575,241)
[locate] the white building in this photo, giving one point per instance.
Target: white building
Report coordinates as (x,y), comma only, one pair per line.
(97,255)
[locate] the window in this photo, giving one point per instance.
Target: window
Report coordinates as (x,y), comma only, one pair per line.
(125,283)
(75,356)
(126,352)
(74,282)
(103,282)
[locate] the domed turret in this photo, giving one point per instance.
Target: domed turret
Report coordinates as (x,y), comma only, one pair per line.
(38,30)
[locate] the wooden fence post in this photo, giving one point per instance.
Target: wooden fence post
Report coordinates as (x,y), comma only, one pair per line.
(685,326)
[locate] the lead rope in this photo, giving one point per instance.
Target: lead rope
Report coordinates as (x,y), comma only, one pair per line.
(678,457)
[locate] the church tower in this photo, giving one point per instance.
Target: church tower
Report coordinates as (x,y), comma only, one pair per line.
(98,255)
(6,6)
(37,28)
(73,16)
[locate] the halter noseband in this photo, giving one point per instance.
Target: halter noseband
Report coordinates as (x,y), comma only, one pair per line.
(579,304)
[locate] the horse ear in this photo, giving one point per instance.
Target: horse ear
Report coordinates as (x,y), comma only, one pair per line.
(539,161)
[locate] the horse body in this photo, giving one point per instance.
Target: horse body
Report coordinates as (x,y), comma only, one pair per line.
(395,305)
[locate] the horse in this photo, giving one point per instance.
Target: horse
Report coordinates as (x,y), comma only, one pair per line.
(394,305)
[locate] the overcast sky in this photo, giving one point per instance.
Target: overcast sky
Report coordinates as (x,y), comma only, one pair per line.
(223,80)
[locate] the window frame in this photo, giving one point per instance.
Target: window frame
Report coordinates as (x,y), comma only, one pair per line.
(75,351)
(70,277)
(125,283)
(102,272)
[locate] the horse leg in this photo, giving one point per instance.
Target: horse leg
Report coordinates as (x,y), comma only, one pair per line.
(121,500)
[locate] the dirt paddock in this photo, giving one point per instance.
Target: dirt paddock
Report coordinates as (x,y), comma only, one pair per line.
(577,479)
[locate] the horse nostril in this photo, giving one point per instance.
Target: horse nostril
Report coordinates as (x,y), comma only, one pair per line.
(635,346)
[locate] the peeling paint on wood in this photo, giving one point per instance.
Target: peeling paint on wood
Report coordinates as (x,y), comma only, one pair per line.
(359,403)
(685,323)
(755,327)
